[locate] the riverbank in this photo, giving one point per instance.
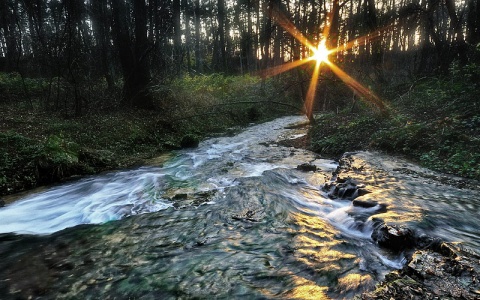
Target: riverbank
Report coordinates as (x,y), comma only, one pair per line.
(44,145)
(432,121)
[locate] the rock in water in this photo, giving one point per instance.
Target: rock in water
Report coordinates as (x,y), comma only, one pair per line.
(443,272)
(344,189)
(393,237)
(306,167)
(189,141)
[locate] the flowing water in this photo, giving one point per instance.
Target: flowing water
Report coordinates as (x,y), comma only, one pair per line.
(233,218)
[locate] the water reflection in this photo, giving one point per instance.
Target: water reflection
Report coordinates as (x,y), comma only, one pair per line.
(305,289)
(267,231)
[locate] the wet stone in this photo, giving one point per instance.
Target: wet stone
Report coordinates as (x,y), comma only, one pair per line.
(393,237)
(381,208)
(433,275)
(307,167)
(344,188)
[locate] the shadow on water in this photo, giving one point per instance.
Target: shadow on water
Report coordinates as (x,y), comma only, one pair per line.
(238,220)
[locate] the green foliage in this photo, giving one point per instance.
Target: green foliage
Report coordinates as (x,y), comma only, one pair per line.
(333,134)
(403,139)
(437,122)
(12,86)
(227,95)
(458,160)
(17,161)
(60,151)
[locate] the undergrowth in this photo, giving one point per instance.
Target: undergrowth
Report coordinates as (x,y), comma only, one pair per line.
(436,122)
(43,146)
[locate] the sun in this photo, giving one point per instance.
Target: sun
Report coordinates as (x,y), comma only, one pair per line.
(321,53)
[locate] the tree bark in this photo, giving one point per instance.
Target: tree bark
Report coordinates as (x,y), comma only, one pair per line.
(133,56)
(198,54)
(7,23)
(177,38)
(473,22)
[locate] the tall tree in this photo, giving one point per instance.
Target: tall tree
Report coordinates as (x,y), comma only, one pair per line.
(8,25)
(186,9)
(100,24)
(456,25)
(177,39)
(198,53)
(473,22)
(133,53)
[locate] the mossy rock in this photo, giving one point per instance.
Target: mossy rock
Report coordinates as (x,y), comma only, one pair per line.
(189,141)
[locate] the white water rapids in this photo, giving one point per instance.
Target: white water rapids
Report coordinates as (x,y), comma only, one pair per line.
(116,195)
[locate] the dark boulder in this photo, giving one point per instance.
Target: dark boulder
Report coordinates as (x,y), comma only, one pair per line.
(307,167)
(393,237)
(442,271)
(344,188)
(364,204)
(189,141)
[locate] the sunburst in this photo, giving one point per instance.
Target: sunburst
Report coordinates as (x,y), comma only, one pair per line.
(320,55)
(321,52)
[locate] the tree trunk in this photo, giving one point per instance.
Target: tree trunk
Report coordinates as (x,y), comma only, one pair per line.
(7,23)
(177,38)
(221,34)
(133,56)
(186,10)
(198,54)
(100,28)
(456,24)
(473,22)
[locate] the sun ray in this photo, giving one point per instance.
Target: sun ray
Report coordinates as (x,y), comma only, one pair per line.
(363,39)
(320,55)
(356,86)
(286,24)
(283,68)
(326,28)
(312,90)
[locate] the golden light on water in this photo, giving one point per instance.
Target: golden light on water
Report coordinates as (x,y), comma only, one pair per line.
(321,55)
(306,289)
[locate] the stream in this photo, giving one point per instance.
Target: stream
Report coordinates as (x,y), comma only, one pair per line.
(233,218)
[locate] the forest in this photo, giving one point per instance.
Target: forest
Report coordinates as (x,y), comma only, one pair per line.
(92,85)
(239,149)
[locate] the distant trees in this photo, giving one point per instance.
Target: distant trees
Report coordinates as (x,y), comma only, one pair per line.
(76,42)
